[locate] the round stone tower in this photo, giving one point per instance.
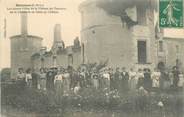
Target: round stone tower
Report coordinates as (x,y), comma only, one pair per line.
(23,46)
(103,36)
(107,37)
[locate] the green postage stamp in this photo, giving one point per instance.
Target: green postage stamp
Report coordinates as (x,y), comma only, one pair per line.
(171,13)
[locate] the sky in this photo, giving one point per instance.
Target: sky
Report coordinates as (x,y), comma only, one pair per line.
(43,25)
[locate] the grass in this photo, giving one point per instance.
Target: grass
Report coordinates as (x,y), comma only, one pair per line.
(26,99)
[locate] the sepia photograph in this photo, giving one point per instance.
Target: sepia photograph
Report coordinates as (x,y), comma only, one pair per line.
(92,58)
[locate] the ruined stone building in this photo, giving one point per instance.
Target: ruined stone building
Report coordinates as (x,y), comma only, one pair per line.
(128,38)
(59,55)
(27,51)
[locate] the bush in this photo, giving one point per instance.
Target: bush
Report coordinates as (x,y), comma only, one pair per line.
(19,96)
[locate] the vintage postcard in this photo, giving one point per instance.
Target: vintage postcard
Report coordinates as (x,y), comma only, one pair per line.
(92,58)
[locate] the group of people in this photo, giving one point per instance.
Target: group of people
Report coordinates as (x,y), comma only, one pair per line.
(62,81)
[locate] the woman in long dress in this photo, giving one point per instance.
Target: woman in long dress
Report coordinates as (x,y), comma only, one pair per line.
(140,76)
(117,79)
(181,81)
(166,81)
(106,79)
(66,82)
(82,78)
(58,83)
(42,79)
(28,78)
(95,80)
(133,80)
(171,79)
(155,76)
(147,80)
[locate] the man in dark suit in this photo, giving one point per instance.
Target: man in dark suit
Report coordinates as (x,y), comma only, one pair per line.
(117,79)
(124,81)
(147,79)
(50,78)
(50,84)
(35,78)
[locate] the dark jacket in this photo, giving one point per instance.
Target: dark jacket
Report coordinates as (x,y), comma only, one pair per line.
(50,80)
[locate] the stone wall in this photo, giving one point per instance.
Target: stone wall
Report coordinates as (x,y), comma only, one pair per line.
(22,47)
(106,37)
(62,59)
(171,45)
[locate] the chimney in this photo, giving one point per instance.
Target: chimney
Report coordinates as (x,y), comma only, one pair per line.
(24,23)
(58,42)
(57,33)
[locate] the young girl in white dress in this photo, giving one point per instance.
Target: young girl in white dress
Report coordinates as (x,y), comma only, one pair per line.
(155,76)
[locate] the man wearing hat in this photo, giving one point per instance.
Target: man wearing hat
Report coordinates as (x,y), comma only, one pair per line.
(52,72)
(124,81)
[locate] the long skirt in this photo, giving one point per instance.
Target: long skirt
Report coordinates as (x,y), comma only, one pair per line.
(58,90)
(140,82)
(96,83)
(166,85)
(42,84)
(181,82)
(66,86)
(155,83)
(29,83)
(105,83)
(133,84)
